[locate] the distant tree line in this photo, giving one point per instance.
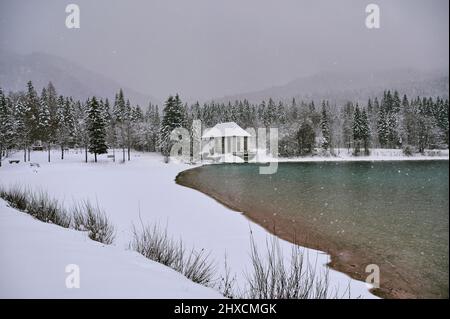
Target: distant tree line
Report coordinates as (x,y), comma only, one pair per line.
(29,120)
(96,125)
(386,122)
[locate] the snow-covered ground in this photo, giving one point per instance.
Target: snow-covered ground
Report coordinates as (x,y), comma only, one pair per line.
(143,188)
(34,256)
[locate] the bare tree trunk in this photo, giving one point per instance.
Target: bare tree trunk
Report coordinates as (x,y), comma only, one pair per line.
(29,151)
(95,157)
(114,154)
(123,154)
(1,154)
(48,147)
(85,153)
(62,152)
(128,141)
(25,154)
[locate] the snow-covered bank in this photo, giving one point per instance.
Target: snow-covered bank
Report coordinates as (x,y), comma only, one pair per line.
(376,154)
(34,256)
(339,155)
(144,188)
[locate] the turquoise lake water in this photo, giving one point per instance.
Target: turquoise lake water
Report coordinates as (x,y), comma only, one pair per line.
(390,213)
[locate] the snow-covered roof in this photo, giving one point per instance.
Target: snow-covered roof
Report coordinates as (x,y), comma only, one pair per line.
(225,130)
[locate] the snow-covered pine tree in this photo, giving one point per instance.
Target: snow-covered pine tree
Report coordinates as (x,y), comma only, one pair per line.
(96,129)
(306,138)
(6,124)
(396,103)
(383,127)
(347,125)
(293,110)
(270,115)
(441,109)
(325,126)
(245,114)
(372,117)
(66,123)
(281,114)
(52,102)
(111,131)
(81,133)
(20,129)
(365,132)
(357,131)
(122,116)
(155,123)
(138,115)
(44,121)
(32,116)
(173,117)
(392,121)
(444,117)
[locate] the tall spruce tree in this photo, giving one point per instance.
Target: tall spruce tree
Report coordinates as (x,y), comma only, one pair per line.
(20,128)
(347,125)
(383,128)
(6,125)
(365,132)
(155,123)
(97,129)
(52,102)
(32,116)
(44,121)
(122,120)
(66,123)
(325,126)
(173,117)
(357,131)
(305,138)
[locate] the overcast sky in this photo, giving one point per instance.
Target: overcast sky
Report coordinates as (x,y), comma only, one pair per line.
(211,48)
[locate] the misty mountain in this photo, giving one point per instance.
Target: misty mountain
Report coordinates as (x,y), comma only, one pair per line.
(69,78)
(358,87)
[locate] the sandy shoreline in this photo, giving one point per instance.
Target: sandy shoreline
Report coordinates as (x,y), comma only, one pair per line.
(344,259)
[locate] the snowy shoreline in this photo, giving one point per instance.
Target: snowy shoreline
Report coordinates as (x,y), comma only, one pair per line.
(341,155)
(344,155)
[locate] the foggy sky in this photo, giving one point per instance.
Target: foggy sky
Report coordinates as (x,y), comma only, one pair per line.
(212,48)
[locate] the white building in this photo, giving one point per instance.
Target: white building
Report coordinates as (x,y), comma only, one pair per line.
(225,139)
